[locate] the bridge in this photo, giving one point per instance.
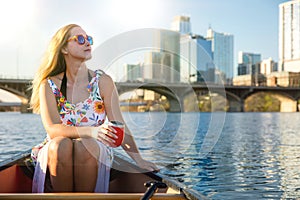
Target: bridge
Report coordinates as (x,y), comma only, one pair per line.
(20,88)
(181,95)
(176,93)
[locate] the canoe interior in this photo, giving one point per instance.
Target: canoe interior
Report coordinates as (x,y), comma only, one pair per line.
(16,178)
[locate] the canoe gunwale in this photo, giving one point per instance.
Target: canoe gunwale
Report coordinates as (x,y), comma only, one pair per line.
(89,196)
(14,160)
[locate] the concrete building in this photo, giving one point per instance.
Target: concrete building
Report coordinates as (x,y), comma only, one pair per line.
(181,24)
(284,79)
(289,36)
(268,66)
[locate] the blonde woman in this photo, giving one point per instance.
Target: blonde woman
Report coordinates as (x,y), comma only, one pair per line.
(73,102)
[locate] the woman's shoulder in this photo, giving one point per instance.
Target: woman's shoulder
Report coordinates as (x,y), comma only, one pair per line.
(105,78)
(52,80)
(100,74)
(56,79)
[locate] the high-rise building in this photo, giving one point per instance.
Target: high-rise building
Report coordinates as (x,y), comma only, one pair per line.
(289,36)
(134,72)
(222,48)
(196,62)
(163,64)
(248,63)
(181,24)
(249,71)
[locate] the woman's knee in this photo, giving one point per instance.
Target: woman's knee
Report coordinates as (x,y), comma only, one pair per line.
(85,150)
(61,149)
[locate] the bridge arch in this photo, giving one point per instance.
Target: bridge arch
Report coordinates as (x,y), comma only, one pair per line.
(16,99)
(14,91)
(176,98)
(236,104)
(288,103)
(175,104)
(233,102)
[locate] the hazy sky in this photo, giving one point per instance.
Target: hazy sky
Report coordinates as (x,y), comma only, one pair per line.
(28,25)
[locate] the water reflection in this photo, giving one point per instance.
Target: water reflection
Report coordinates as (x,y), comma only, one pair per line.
(254,158)
(289,159)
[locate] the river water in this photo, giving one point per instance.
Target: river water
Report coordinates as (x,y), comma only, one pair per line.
(222,155)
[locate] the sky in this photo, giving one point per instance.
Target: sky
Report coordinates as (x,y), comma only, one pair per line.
(27,26)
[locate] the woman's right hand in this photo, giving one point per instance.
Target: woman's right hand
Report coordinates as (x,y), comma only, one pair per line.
(104,134)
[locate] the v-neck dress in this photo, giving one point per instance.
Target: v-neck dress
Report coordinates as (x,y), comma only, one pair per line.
(90,112)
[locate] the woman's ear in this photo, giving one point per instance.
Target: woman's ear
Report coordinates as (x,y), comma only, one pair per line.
(64,50)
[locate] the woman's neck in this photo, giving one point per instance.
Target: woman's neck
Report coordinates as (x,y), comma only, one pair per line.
(76,73)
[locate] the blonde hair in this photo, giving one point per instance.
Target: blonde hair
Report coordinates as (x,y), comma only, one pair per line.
(52,64)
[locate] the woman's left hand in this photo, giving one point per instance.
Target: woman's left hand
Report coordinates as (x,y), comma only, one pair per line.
(147,165)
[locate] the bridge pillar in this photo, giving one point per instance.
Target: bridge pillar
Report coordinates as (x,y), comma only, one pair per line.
(25,108)
(235,106)
(175,105)
(288,106)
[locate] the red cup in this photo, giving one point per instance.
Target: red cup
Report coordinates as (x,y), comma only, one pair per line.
(119,127)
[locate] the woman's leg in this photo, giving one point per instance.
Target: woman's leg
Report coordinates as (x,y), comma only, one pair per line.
(60,164)
(86,153)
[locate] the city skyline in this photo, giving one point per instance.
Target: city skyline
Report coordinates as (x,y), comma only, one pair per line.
(32,23)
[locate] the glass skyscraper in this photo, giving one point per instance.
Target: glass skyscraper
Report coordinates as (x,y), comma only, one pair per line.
(248,63)
(222,48)
(196,61)
(289,36)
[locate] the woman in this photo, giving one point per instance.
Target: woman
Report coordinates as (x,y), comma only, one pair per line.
(73,102)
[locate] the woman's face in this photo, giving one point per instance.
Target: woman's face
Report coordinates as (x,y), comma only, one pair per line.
(74,50)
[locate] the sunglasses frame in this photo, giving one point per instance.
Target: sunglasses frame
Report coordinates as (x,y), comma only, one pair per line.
(85,38)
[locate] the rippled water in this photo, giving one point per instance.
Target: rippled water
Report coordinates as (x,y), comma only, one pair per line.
(222,155)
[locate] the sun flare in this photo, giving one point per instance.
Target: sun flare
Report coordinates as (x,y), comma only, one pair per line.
(15,14)
(135,12)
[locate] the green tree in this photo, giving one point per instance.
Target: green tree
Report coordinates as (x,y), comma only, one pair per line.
(262,102)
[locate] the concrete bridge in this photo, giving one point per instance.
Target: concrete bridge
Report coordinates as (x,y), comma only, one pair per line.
(181,96)
(20,88)
(176,93)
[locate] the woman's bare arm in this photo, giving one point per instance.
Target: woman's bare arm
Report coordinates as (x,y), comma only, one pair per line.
(111,102)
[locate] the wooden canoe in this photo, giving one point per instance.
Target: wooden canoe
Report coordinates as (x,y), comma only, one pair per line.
(16,183)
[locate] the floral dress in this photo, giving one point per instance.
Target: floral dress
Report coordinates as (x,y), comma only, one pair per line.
(90,112)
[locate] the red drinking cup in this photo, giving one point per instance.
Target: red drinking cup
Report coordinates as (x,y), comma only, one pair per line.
(119,127)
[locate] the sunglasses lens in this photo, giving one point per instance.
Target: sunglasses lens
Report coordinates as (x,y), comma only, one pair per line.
(90,39)
(80,39)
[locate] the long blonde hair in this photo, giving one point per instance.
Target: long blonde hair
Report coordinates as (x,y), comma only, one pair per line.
(52,64)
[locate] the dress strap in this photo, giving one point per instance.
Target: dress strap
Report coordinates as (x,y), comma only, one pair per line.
(54,88)
(90,77)
(93,85)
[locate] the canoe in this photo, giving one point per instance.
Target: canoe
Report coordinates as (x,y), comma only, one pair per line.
(16,182)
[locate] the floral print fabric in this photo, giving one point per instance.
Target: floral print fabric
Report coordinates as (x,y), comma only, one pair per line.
(90,112)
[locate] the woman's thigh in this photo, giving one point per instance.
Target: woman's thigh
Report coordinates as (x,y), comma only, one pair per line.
(85,149)
(61,149)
